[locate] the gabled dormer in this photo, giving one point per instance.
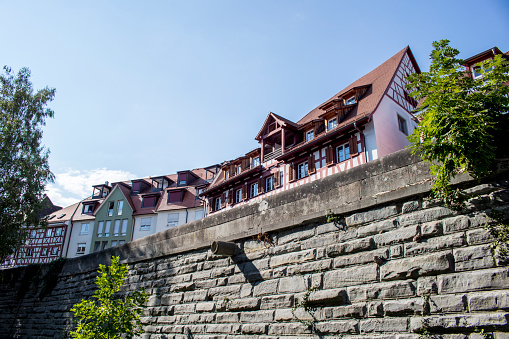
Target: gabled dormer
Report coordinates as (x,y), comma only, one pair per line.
(473,64)
(150,200)
(276,134)
(176,195)
(159,183)
(139,186)
(101,191)
(89,207)
(185,178)
(340,107)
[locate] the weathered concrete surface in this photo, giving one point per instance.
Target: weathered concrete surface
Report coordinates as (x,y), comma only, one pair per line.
(392,266)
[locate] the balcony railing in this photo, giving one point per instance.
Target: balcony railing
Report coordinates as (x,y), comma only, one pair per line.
(272,155)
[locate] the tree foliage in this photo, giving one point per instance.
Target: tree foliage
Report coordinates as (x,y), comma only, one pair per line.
(459,116)
(110,315)
(24,168)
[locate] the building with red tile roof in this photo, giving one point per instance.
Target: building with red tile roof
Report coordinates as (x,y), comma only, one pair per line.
(366,120)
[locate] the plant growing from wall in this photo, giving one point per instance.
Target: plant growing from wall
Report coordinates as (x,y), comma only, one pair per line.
(460,118)
(110,315)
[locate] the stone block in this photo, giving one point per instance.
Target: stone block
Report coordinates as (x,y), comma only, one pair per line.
(396,251)
(221,292)
(410,206)
(288,329)
(377,227)
(222,328)
(456,224)
(353,246)
(424,216)
(310,267)
(206,306)
(222,272)
(267,287)
(253,328)
(336,327)
(473,257)
(246,304)
(435,263)
(384,325)
(227,317)
(397,236)
(370,216)
(335,296)
(246,290)
(257,316)
(374,309)
(357,310)
(458,321)
(292,258)
(319,241)
(479,236)
(404,306)
(184,308)
(188,286)
(296,235)
(385,290)
(487,301)
(431,229)
(360,258)
(277,301)
(200,295)
(171,299)
(449,303)
(292,284)
(427,286)
(435,244)
(350,276)
(473,281)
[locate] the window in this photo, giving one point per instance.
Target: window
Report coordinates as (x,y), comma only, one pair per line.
(303,170)
(49,232)
(97,246)
(107,228)
(54,250)
(254,189)
(175,196)
(111,205)
(113,243)
(256,161)
(58,232)
(198,192)
(239,169)
(145,224)
(88,208)
(198,215)
(350,101)
(173,220)
(29,252)
(116,228)
(33,233)
(104,245)
(182,179)
(402,125)
(310,135)
(84,229)
(343,152)
(332,123)
(100,227)
(124,227)
(226,174)
(238,195)
(44,252)
(269,183)
(81,248)
(218,204)
(120,242)
(149,201)
(120,205)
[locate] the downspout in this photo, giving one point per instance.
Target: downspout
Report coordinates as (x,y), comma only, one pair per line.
(187,213)
(363,140)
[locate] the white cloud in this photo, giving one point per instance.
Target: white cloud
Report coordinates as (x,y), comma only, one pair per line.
(74,185)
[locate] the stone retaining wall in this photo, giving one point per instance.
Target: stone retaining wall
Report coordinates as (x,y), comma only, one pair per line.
(387,265)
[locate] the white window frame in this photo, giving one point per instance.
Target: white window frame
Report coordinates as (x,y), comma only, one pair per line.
(350,101)
(238,195)
(120,206)
(332,123)
(54,250)
(256,161)
(239,169)
(113,243)
(310,135)
(80,249)
(343,152)
(269,183)
(58,231)
(302,171)
(116,228)
(84,228)
(33,233)
(49,232)
(217,204)
(253,190)
(88,208)
(123,229)
(107,228)
(100,229)
(173,220)
(111,208)
(44,252)
(145,224)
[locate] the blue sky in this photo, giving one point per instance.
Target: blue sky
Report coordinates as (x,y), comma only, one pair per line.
(154,87)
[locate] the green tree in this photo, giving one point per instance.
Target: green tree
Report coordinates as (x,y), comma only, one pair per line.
(110,315)
(460,117)
(24,168)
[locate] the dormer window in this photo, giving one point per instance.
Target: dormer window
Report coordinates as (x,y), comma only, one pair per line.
(332,123)
(226,174)
(149,200)
(175,196)
(100,191)
(310,135)
(111,206)
(88,208)
(136,186)
(350,101)
(159,183)
(239,169)
(256,161)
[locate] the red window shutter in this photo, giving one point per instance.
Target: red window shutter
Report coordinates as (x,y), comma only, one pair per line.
(211,204)
(329,155)
(277,179)
(223,200)
(244,192)
(260,185)
(232,170)
(353,146)
(230,197)
(311,164)
(291,173)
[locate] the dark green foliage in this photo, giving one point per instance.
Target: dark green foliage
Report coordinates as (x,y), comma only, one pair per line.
(460,117)
(24,168)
